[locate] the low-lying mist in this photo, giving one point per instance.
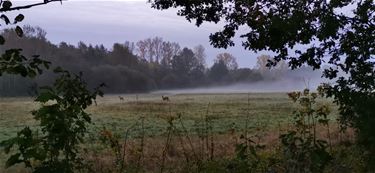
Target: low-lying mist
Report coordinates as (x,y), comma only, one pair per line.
(286,85)
(292,82)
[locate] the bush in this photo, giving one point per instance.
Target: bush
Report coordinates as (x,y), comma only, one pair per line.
(63,124)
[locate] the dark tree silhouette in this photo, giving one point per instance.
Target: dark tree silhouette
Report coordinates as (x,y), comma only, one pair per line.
(337,33)
(218,71)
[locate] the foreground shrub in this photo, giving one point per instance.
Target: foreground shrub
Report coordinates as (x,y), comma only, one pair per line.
(302,150)
(63,124)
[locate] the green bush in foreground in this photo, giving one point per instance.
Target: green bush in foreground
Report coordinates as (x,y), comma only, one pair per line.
(63,124)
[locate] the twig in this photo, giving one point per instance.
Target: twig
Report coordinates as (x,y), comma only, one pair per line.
(123,162)
(169,137)
(141,157)
(188,138)
(29,6)
(206,127)
(181,138)
(329,138)
(247,119)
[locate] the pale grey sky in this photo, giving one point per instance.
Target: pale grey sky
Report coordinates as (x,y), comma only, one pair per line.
(108,22)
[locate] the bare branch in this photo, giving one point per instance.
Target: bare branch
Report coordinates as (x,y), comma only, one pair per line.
(28,6)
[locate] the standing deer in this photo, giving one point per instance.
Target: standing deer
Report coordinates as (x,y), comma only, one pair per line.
(165,98)
(121,98)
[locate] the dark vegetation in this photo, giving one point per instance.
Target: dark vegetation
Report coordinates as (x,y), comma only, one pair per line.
(345,42)
(150,64)
(339,33)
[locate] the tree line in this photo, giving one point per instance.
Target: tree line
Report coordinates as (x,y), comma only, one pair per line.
(149,64)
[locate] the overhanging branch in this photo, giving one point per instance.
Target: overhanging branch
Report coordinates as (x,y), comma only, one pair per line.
(28,6)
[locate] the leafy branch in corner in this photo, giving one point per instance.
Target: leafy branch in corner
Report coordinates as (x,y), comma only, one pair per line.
(7,5)
(12,61)
(63,124)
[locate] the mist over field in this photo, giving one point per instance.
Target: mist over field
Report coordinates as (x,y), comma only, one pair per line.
(293,82)
(153,65)
(257,87)
(223,86)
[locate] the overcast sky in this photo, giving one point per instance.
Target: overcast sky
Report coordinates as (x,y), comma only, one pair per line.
(108,22)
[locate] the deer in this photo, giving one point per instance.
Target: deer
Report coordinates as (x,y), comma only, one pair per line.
(121,98)
(165,98)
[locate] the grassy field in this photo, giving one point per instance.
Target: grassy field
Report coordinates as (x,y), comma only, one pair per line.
(250,112)
(227,111)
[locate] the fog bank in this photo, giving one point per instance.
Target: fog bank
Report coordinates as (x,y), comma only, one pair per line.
(286,85)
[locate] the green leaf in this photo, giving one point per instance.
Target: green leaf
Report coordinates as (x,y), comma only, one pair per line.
(38,154)
(48,88)
(35,56)
(21,70)
(19,31)
(19,18)
(14,159)
(31,73)
(5,18)
(45,97)
(2,40)
(46,64)
(8,144)
(7,4)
